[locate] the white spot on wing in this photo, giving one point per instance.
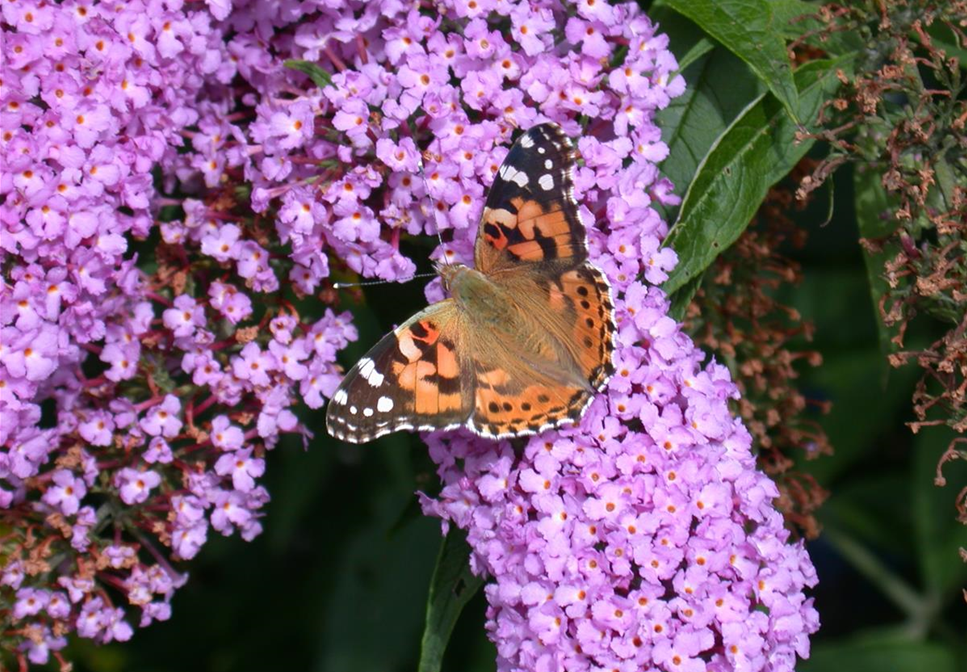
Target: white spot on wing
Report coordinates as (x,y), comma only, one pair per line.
(511,174)
(548,164)
(353,410)
(368,412)
(541,150)
(526,141)
(384,405)
(340,397)
(546,181)
(367,369)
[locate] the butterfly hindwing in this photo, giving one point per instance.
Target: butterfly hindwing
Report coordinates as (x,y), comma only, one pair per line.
(411,379)
(531,215)
(568,354)
(515,401)
(587,309)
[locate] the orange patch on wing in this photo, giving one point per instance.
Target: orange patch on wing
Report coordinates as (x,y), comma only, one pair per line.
(553,224)
(557,300)
(493,378)
(527,214)
(498,218)
(529,251)
(427,392)
(408,347)
(432,333)
(484,396)
(529,409)
(446,361)
(532,250)
(450,402)
(593,327)
(405,375)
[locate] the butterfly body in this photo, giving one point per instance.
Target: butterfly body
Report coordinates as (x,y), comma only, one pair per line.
(485,303)
(525,338)
(501,309)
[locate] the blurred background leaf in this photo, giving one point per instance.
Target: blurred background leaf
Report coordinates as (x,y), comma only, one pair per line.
(452,586)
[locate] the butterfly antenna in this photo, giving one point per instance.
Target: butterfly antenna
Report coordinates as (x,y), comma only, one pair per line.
(426,185)
(369,283)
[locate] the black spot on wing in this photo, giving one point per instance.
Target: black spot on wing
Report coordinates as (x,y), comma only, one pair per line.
(548,245)
(493,230)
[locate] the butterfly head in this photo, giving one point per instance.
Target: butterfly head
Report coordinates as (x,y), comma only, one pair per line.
(449,274)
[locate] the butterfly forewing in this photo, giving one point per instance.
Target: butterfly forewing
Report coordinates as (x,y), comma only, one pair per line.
(411,379)
(531,216)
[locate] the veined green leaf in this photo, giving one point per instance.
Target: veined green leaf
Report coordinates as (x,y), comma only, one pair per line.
(681,299)
(719,89)
(750,30)
(938,535)
(755,152)
(889,652)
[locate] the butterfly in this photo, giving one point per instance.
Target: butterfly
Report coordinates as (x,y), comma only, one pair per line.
(526,337)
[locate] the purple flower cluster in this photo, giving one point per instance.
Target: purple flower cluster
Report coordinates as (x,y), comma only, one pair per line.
(135,408)
(443,90)
(642,538)
(90,105)
(168,387)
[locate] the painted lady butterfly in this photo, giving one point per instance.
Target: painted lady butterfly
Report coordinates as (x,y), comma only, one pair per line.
(525,339)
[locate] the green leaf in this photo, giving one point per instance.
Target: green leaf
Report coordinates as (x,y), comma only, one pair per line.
(871,205)
(788,16)
(681,299)
(301,474)
(872,567)
(873,512)
(850,378)
(319,77)
(835,299)
(943,38)
(798,19)
(749,29)
(719,88)
(699,49)
(756,151)
(451,588)
(685,39)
